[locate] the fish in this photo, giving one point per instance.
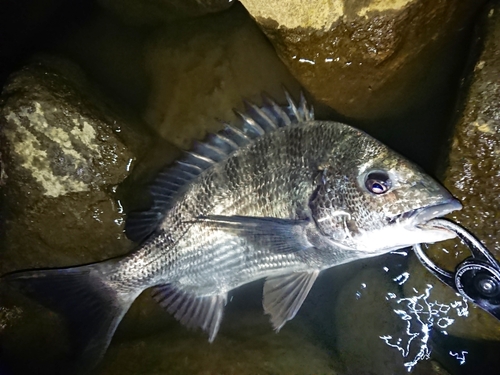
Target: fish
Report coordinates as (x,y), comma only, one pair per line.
(281,198)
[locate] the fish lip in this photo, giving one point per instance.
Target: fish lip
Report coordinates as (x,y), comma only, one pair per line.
(423,215)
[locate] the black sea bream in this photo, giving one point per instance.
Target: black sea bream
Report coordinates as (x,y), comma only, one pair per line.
(283,198)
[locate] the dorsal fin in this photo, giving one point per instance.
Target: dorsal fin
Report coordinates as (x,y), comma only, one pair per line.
(257,120)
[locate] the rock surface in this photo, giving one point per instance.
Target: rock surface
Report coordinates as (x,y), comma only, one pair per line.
(384,54)
(139,12)
(374,320)
(473,177)
(246,345)
(198,78)
(62,158)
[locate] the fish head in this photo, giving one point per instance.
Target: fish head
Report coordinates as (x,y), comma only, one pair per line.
(369,198)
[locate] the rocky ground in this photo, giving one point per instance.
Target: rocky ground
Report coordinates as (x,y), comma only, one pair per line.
(471,174)
(97,97)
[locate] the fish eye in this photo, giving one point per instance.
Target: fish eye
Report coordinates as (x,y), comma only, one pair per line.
(378,182)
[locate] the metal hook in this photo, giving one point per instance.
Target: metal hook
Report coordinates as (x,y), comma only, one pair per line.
(477,278)
(477,249)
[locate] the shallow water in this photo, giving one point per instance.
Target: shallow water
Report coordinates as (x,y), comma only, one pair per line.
(179,78)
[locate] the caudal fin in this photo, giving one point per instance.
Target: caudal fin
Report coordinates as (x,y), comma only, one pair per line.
(92,308)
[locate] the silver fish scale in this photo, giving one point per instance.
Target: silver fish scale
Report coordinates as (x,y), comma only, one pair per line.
(271,177)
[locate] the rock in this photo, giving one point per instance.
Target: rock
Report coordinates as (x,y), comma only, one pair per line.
(199,71)
(246,345)
(387,55)
(472,176)
(63,156)
(141,12)
(150,341)
(377,330)
(111,53)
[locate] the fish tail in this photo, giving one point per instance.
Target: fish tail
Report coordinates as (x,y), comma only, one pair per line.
(93,308)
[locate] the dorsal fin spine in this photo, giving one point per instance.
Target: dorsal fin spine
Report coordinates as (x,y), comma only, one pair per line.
(190,166)
(201,161)
(186,175)
(279,112)
(230,142)
(291,106)
(250,126)
(205,149)
(265,122)
(311,113)
(176,179)
(236,135)
(303,107)
(168,184)
(224,144)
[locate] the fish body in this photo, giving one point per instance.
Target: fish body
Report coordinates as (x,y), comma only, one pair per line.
(283,199)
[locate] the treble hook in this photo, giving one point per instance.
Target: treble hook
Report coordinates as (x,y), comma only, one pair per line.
(477,278)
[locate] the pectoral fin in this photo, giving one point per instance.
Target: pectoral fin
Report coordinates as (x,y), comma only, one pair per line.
(283,295)
(279,235)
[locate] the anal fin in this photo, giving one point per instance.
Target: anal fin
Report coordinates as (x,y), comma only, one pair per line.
(193,311)
(284,295)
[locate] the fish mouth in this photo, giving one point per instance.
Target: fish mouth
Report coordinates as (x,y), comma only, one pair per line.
(409,228)
(423,215)
(412,224)
(420,216)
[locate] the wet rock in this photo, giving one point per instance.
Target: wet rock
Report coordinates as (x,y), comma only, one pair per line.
(366,59)
(150,341)
(141,12)
(63,153)
(198,77)
(377,331)
(245,345)
(111,54)
(472,176)
(63,156)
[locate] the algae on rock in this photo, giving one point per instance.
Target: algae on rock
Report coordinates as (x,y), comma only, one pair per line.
(63,156)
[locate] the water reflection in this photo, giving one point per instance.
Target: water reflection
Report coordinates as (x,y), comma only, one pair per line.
(421,314)
(388,316)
